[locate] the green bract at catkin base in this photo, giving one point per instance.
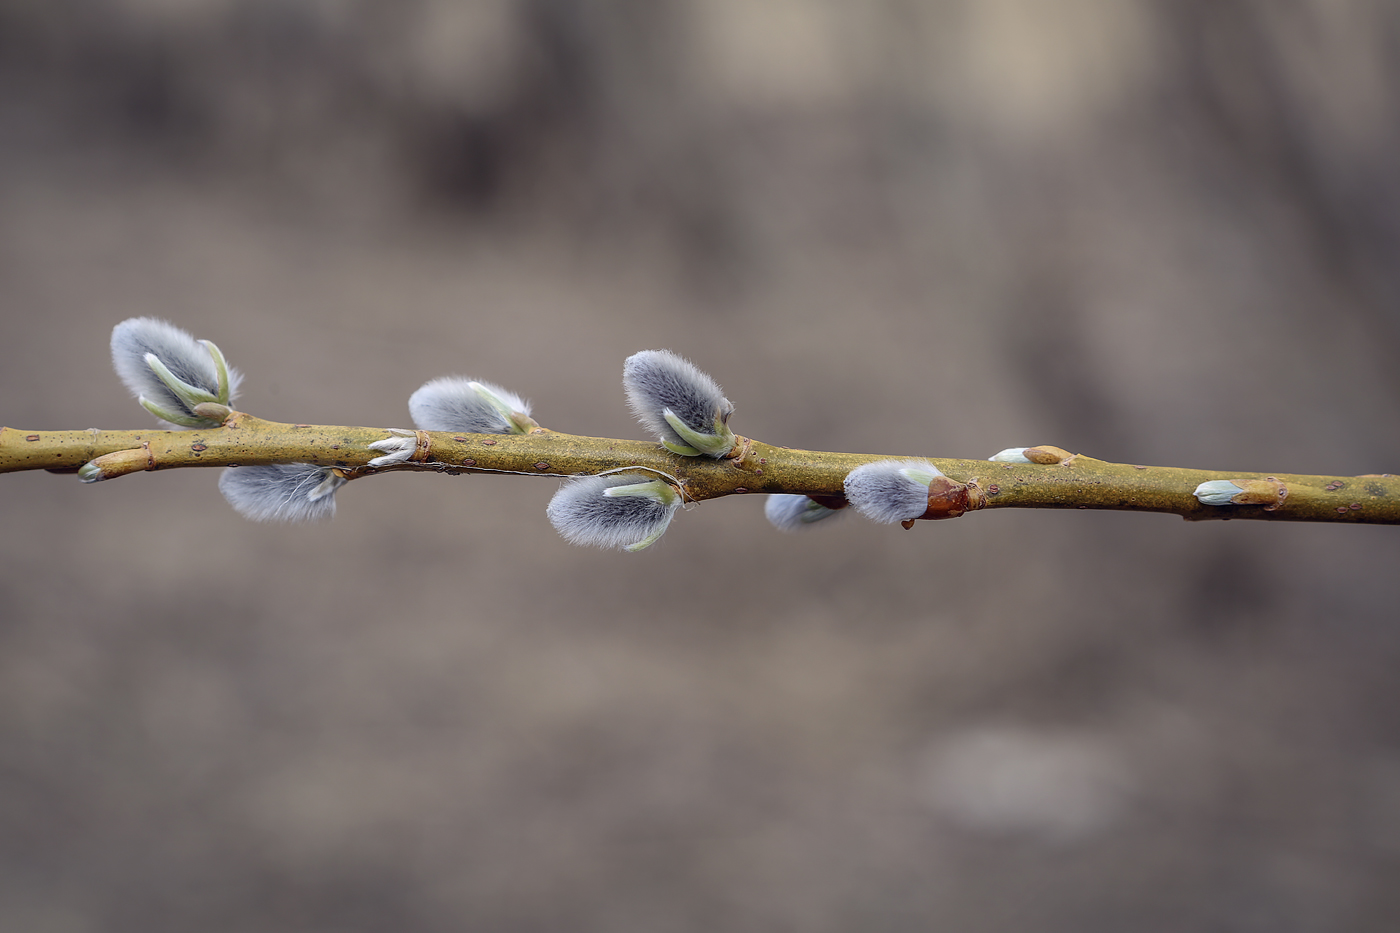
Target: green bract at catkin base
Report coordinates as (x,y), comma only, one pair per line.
(170,372)
(681,405)
(628,510)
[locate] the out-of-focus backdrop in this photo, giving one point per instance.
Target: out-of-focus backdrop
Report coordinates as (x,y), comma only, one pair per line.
(1150,232)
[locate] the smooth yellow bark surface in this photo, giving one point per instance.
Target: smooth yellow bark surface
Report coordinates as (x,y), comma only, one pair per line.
(1077,483)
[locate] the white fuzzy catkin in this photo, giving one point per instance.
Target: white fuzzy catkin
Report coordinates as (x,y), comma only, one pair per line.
(397,449)
(795,512)
(1217,492)
(184,356)
(891,491)
(1010,455)
(658,381)
(456,403)
(281,492)
(584,513)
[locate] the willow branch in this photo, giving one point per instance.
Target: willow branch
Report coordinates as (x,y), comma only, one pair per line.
(1075,482)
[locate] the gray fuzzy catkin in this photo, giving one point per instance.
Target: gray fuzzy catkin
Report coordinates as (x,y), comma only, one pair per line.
(452,404)
(278,492)
(656,380)
(1217,492)
(582,514)
(794,512)
(184,356)
(882,493)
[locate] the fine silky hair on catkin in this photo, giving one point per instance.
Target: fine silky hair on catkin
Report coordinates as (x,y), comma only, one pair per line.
(281,492)
(891,491)
(788,512)
(195,363)
(624,510)
(660,384)
(456,403)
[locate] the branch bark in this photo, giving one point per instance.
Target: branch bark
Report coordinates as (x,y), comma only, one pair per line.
(1079,482)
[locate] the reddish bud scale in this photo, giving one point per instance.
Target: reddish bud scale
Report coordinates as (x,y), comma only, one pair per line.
(950,499)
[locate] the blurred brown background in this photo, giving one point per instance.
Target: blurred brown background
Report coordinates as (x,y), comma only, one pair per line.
(1151,232)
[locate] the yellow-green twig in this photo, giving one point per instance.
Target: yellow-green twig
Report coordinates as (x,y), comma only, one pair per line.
(1078,482)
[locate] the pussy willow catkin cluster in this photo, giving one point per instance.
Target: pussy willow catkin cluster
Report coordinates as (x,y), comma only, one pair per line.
(618,493)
